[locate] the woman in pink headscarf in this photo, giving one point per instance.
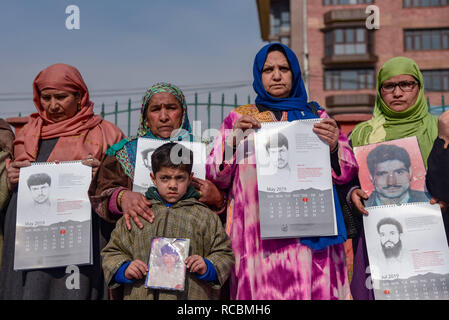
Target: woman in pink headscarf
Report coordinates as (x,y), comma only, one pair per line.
(64,128)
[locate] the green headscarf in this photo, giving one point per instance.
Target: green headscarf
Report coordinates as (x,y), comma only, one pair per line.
(387,124)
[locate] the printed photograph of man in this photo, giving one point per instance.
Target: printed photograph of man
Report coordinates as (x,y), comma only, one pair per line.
(390,231)
(146,157)
(393,261)
(277,149)
(391,174)
(142,181)
(39,185)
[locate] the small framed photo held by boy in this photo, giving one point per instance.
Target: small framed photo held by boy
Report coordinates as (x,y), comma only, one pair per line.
(166,267)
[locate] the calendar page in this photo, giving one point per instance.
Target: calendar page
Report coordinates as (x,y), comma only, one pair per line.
(294,181)
(392,172)
(166,267)
(145,148)
(408,252)
(53,225)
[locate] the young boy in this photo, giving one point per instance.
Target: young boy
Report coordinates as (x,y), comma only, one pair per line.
(178,214)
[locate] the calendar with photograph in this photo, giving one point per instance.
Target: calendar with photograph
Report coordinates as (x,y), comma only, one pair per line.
(392,172)
(294,180)
(145,148)
(166,267)
(53,226)
(408,252)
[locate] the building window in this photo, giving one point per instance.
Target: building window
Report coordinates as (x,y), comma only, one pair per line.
(349,79)
(426,39)
(347,41)
(279,18)
(285,22)
(436,80)
(424,3)
(338,2)
(285,41)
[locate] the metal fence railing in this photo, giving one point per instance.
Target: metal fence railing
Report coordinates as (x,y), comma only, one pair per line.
(210,106)
(437,110)
(196,105)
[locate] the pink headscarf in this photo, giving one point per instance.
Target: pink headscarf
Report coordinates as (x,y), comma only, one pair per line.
(83,134)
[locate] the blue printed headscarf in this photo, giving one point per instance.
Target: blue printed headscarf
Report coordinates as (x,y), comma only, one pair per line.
(125,150)
(297,107)
(296,103)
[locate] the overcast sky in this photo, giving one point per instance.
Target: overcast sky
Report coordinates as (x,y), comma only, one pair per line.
(129,45)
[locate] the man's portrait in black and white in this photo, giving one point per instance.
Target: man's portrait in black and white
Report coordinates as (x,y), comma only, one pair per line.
(39,185)
(146,157)
(277,150)
(390,231)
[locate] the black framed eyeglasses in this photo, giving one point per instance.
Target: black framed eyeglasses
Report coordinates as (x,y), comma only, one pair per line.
(405,86)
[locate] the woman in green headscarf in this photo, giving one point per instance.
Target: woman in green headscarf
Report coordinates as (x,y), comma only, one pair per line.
(401,111)
(163,117)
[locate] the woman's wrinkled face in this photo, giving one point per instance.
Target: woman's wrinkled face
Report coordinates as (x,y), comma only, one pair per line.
(277,76)
(59,105)
(164,114)
(399,100)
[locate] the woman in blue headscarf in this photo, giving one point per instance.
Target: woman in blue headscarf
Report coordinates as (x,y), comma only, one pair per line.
(312,268)
(163,117)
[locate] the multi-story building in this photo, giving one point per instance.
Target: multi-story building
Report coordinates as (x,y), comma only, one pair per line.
(340,55)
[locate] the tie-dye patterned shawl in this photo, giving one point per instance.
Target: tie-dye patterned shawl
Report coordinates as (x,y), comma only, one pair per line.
(125,150)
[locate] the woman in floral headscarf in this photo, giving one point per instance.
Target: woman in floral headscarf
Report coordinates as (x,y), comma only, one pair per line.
(163,117)
(64,128)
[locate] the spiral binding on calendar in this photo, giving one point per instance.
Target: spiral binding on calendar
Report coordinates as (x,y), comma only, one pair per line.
(168,141)
(276,124)
(157,140)
(309,120)
(55,162)
(398,205)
